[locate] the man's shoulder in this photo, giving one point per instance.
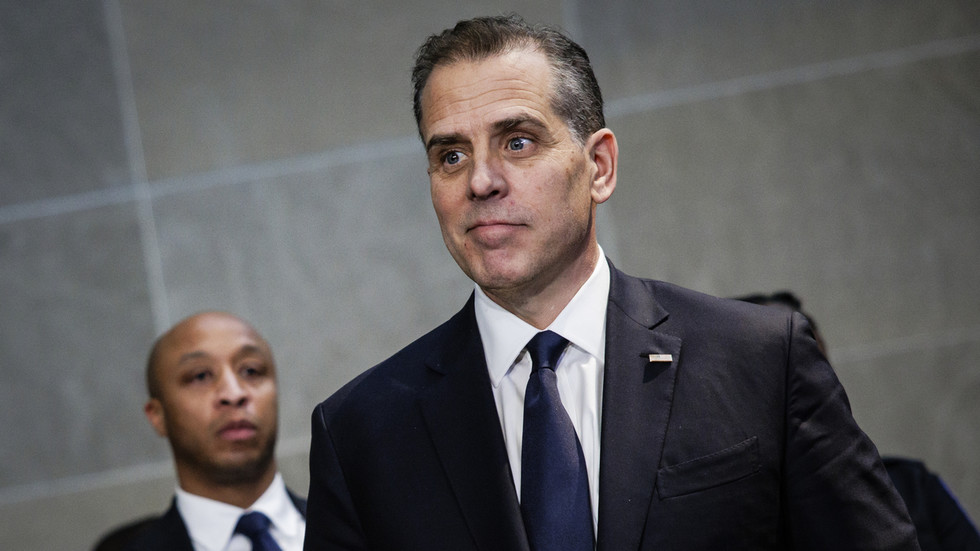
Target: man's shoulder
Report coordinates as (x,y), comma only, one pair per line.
(686,312)
(405,372)
(166,531)
(678,300)
(118,538)
(625,287)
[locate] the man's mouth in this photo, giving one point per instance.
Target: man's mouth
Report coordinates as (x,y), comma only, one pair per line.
(493,225)
(238,430)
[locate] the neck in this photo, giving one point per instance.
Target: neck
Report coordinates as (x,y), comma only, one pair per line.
(240,493)
(539,306)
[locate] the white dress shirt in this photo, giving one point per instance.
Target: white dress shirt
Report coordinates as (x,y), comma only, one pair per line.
(583,323)
(211,524)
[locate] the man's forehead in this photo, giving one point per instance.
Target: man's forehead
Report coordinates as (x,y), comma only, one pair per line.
(209,333)
(527,67)
(461,88)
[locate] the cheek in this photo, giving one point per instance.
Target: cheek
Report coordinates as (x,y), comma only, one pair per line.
(186,422)
(267,397)
(578,185)
(562,191)
(437,191)
(273,400)
(446,206)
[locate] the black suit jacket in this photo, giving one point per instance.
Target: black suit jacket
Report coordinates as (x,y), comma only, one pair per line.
(940,521)
(745,440)
(164,533)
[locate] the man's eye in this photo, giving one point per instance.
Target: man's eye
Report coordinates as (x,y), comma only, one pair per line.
(200,376)
(452,158)
(251,371)
(517,144)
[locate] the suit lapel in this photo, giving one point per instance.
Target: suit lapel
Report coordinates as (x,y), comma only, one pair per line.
(170,533)
(462,420)
(298,502)
(636,402)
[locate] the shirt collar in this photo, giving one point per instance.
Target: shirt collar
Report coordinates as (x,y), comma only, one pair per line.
(211,523)
(582,322)
(276,504)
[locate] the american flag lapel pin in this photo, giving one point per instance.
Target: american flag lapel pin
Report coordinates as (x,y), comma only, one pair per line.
(667,358)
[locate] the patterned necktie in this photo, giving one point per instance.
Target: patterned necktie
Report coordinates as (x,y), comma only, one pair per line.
(255,527)
(554,483)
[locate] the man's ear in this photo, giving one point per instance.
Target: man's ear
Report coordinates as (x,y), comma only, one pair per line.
(604,152)
(154,413)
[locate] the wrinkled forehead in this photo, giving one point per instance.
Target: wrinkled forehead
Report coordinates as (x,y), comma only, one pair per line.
(474,88)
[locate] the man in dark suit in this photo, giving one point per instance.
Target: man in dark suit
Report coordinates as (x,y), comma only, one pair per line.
(672,420)
(212,385)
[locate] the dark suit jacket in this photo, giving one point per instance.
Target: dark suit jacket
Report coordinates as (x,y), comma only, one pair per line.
(940,521)
(744,441)
(164,533)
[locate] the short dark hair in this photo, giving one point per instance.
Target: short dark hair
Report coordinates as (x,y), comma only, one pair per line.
(784,298)
(576,97)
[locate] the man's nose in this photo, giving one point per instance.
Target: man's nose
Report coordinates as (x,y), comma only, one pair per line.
(231,391)
(487,180)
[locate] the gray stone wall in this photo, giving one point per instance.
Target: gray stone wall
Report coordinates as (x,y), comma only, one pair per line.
(159,158)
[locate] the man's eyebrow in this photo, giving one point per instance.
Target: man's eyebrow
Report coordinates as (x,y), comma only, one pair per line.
(510,123)
(197,354)
(440,140)
(501,126)
(249,350)
(244,351)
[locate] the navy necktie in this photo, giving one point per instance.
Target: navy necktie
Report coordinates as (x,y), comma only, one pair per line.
(554,483)
(255,527)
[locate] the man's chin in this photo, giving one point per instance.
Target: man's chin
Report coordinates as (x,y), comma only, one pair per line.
(500,276)
(240,465)
(239,470)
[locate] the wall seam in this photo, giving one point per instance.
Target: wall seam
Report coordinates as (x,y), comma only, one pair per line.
(394,147)
(801,74)
(149,238)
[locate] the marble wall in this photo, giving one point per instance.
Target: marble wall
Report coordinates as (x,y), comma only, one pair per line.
(159,158)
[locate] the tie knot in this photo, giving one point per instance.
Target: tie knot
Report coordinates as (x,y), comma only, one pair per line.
(252,525)
(545,348)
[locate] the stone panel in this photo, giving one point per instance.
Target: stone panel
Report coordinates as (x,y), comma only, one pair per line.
(75,326)
(60,128)
(643,46)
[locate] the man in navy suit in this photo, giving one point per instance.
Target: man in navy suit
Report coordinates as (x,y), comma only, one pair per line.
(213,395)
(702,423)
